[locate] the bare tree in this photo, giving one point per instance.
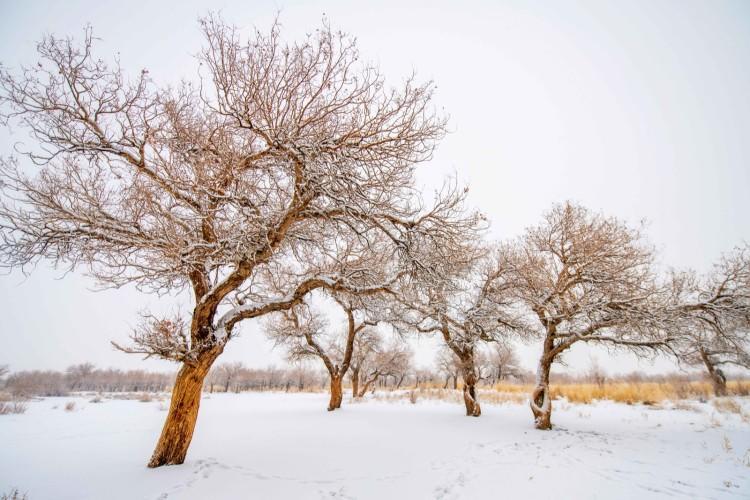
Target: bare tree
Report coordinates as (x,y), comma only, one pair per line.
(715,314)
(449,365)
(303,331)
(465,305)
(367,344)
(238,189)
(77,375)
(391,361)
(504,361)
(583,277)
(226,373)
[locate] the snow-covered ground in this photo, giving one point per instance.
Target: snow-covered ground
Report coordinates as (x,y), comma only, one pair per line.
(268,446)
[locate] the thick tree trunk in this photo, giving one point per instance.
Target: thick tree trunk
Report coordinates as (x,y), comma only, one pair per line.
(177,432)
(471,397)
(541,403)
(717,377)
(337,393)
(355,382)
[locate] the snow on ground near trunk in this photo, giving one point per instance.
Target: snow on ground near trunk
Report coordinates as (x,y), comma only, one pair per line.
(269,446)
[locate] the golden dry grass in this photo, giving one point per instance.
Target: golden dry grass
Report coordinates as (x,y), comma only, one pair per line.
(649,393)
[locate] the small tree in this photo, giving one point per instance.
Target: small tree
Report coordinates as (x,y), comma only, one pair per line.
(226,373)
(583,277)
(78,375)
(505,361)
(465,305)
(237,190)
(715,314)
(367,344)
(449,365)
(392,361)
(303,331)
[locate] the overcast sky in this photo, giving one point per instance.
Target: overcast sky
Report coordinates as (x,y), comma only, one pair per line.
(640,109)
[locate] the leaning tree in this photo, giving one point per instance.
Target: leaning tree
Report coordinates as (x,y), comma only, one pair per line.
(714,312)
(582,277)
(236,189)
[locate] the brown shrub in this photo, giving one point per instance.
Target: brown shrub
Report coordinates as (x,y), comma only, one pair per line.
(13,494)
(12,408)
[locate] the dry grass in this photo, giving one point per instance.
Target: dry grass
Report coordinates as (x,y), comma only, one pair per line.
(70,406)
(647,393)
(727,405)
(12,408)
(630,392)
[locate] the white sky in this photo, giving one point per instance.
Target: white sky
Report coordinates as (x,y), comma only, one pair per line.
(640,109)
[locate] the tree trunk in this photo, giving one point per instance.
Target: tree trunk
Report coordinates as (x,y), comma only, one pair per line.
(355,382)
(717,377)
(367,385)
(455,382)
(336,393)
(471,398)
(177,432)
(541,403)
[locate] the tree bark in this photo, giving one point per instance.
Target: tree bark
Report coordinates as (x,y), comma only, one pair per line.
(355,382)
(177,432)
(717,377)
(337,393)
(541,403)
(471,398)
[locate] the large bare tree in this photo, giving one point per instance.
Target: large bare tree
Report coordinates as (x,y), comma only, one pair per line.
(580,276)
(715,316)
(237,189)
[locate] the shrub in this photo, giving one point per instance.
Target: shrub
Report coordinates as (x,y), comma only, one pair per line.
(13,494)
(70,406)
(12,408)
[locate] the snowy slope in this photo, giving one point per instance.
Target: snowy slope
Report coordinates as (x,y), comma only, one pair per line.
(269,446)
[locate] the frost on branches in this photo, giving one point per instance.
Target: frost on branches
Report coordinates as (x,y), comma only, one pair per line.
(714,311)
(239,189)
(582,277)
(466,305)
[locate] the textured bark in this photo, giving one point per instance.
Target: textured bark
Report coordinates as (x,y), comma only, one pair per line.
(541,404)
(177,432)
(471,398)
(337,393)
